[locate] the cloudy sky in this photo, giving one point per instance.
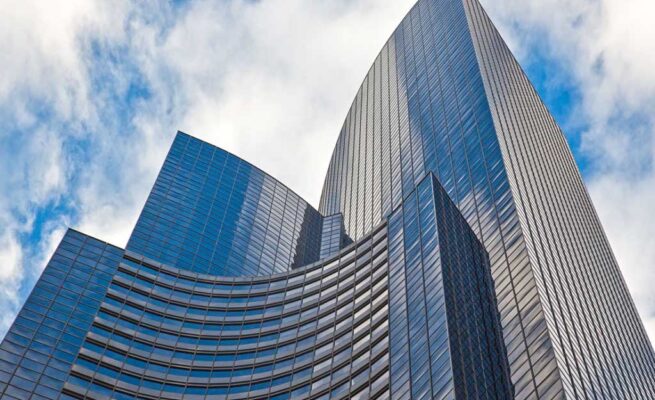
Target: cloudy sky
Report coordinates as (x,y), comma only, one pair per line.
(92,93)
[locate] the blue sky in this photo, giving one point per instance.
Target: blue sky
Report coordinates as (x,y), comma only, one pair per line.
(92,93)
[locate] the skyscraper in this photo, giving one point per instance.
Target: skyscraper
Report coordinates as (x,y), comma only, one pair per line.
(445,95)
(455,254)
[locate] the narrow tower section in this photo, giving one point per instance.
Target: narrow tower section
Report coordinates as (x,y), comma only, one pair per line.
(445,333)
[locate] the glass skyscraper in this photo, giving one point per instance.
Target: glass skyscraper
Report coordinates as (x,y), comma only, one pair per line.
(455,254)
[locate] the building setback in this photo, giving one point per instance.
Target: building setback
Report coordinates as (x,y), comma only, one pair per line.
(455,254)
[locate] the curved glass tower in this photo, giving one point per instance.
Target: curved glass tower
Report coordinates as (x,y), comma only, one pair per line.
(446,96)
(455,254)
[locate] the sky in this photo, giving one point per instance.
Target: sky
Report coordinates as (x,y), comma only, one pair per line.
(92,93)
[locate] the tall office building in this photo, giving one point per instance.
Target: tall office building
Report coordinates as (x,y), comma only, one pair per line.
(446,96)
(455,254)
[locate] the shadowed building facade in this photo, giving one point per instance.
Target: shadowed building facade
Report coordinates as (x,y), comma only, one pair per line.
(455,254)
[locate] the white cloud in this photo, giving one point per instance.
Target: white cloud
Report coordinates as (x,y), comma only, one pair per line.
(11,272)
(34,174)
(278,76)
(624,206)
(44,100)
(41,52)
(216,67)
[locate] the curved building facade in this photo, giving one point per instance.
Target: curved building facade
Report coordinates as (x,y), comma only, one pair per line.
(414,298)
(455,254)
(216,213)
(164,332)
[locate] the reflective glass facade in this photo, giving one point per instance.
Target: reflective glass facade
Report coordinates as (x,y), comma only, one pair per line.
(602,348)
(333,235)
(164,332)
(37,354)
(446,338)
(216,213)
(110,323)
(455,254)
(445,95)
